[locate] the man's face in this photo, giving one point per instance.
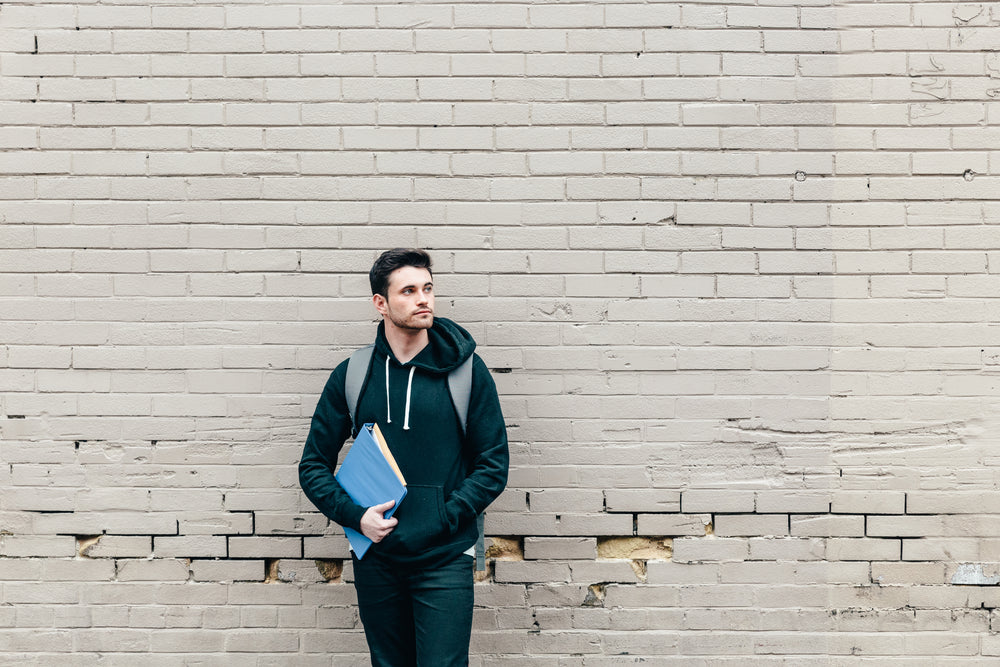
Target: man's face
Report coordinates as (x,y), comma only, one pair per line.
(410,303)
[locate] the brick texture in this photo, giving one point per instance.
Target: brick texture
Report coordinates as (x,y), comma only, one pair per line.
(734,266)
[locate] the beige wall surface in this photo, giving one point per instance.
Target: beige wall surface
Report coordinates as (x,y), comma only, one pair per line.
(734,265)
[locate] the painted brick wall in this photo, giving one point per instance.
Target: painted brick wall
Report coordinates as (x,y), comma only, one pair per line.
(734,265)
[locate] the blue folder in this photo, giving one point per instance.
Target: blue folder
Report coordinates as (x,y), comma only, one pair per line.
(370,476)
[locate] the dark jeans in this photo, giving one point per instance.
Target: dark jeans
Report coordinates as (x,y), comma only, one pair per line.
(416,616)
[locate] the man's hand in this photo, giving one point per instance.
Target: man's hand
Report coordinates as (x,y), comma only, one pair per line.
(374,526)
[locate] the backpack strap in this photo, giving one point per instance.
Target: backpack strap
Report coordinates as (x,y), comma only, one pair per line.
(460,387)
(357,369)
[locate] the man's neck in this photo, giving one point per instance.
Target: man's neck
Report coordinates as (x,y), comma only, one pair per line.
(405,343)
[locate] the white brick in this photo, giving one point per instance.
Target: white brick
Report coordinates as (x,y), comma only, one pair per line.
(38,17)
(572,16)
(346,16)
(263,17)
(225,41)
(677,321)
(188,17)
(640,15)
(490,16)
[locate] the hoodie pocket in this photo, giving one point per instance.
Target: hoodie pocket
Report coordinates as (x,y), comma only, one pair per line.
(422,521)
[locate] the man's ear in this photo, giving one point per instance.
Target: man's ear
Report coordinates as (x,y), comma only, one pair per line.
(379,301)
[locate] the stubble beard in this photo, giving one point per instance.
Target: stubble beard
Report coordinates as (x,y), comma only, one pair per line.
(413,322)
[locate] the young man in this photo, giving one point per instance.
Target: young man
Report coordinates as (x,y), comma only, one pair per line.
(414,584)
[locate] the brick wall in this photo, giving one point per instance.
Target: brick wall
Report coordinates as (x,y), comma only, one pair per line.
(734,266)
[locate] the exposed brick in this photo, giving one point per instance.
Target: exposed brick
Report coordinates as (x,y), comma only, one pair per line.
(202,546)
(299,571)
(904,526)
(160,569)
(36,545)
(604,571)
(77,570)
(782,548)
(528,572)
(827,525)
(118,546)
(709,549)
(227,570)
(560,548)
(862,549)
(731,525)
(673,524)
(717,501)
(868,502)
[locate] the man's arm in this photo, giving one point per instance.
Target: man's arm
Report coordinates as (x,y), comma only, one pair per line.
(330,428)
(486,444)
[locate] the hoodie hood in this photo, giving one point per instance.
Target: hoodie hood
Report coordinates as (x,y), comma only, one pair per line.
(447,347)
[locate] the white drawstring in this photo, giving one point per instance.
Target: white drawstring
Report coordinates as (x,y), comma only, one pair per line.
(409,383)
(388,410)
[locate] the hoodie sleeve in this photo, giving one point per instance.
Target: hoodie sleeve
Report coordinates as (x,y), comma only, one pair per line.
(330,428)
(486,444)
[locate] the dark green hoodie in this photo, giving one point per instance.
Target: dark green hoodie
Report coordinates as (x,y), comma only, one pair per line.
(449,479)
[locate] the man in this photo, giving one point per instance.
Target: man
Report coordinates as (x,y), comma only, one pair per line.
(414,584)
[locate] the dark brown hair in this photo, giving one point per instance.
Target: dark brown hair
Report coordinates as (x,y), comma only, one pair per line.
(394,259)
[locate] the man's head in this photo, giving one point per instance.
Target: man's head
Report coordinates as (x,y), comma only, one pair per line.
(394,259)
(403,289)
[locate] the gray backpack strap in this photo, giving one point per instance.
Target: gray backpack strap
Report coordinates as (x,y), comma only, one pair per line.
(357,369)
(480,545)
(460,386)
